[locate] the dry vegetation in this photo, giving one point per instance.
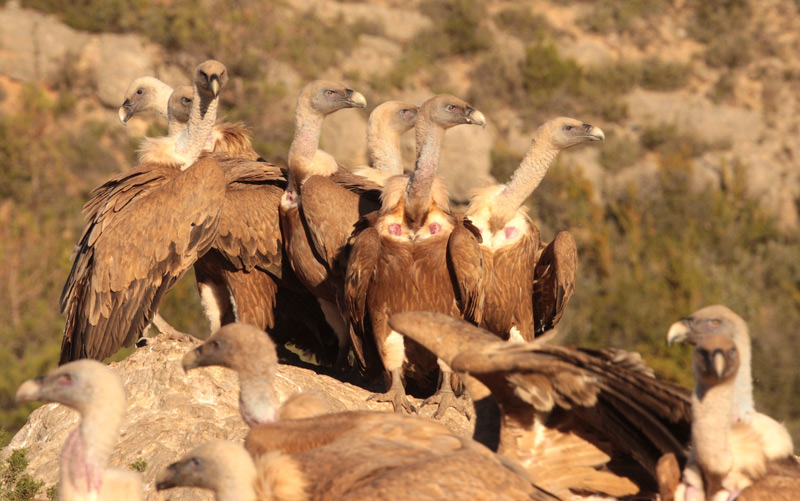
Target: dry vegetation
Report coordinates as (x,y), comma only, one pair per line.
(648,255)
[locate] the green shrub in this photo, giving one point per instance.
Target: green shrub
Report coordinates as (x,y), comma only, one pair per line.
(458,24)
(619,152)
(16,484)
(139,465)
(621,15)
(520,22)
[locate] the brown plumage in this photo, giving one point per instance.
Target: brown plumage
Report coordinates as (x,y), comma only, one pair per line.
(247,350)
(228,471)
(371,455)
(321,202)
(527,285)
(244,276)
(96,392)
(414,254)
(579,421)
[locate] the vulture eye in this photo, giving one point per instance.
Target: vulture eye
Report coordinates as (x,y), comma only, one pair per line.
(140,91)
(568,127)
(732,352)
(203,74)
(330,93)
(713,323)
(186,100)
(451,108)
(195,463)
(65,379)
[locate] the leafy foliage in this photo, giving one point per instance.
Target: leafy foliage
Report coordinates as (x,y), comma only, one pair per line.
(15,484)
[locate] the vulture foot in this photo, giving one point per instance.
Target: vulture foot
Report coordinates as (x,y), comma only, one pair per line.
(170,332)
(447,399)
(398,399)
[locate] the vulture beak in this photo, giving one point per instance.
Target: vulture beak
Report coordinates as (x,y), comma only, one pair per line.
(214,84)
(125,112)
(678,332)
(594,133)
(30,390)
(475,117)
(718,361)
(355,99)
(192,359)
(166,478)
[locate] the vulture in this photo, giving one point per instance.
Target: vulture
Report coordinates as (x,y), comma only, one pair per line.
(414,254)
(580,421)
(387,122)
(527,285)
(245,349)
(145,228)
(374,455)
(734,448)
(227,470)
(96,392)
(322,202)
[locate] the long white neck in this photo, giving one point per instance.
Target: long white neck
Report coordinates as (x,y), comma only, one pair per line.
(743,404)
(711,408)
(192,140)
(308,127)
(383,146)
(237,483)
(257,400)
(525,180)
(429,139)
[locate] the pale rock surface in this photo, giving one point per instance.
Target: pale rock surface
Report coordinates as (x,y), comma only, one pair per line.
(170,412)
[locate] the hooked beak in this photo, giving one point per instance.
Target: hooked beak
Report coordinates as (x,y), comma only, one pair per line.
(475,117)
(356,99)
(191,360)
(214,84)
(718,361)
(594,133)
(30,390)
(678,332)
(125,112)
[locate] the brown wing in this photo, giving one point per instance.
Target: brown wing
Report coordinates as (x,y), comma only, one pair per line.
(465,263)
(603,406)
(362,261)
(554,281)
(330,212)
(249,231)
(130,256)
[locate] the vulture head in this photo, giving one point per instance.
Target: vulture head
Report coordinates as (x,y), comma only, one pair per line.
(180,104)
(236,346)
(715,360)
(210,77)
(705,322)
(220,466)
(324,98)
(144,94)
(567,132)
(449,111)
(399,116)
(80,384)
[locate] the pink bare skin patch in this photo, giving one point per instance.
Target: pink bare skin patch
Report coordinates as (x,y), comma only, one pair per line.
(289,196)
(511,232)
(394,229)
(434,228)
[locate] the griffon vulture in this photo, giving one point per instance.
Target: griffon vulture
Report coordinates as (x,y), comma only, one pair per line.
(527,286)
(414,254)
(135,247)
(96,392)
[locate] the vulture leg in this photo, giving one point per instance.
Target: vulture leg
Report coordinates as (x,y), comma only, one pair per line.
(396,394)
(169,331)
(446,397)
(337,323)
